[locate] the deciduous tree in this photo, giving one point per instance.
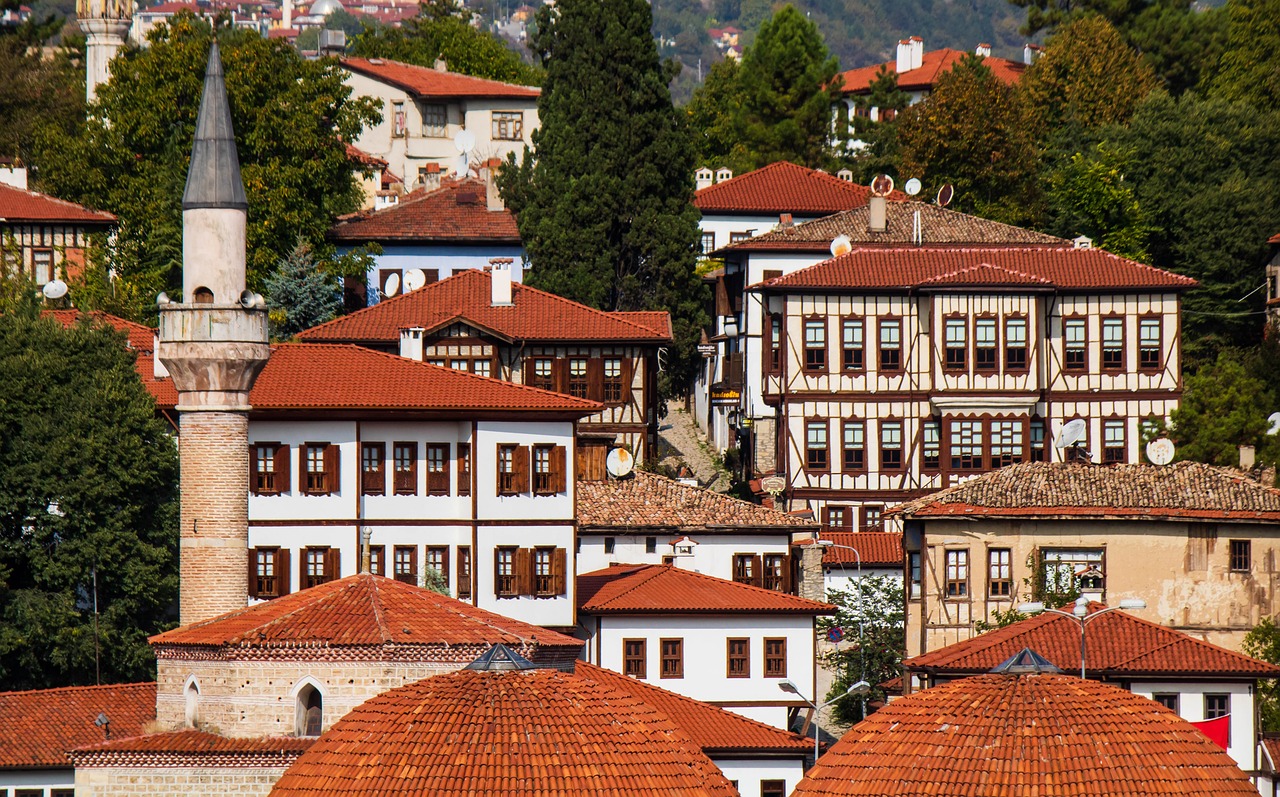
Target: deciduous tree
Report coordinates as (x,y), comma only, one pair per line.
(1249,69)
(873,625)
(1263,642)
(1222,407)
(1088,195)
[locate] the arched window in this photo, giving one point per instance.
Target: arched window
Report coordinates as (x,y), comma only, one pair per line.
(310,711)
(192,696)
(202,296)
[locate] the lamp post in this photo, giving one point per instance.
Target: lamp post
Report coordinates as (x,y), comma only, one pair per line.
(862,655)
(1080,613)
(859,688)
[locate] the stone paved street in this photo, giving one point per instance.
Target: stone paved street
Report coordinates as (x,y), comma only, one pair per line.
(681,442)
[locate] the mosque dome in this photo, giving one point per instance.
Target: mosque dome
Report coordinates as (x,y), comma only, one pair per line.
(323,8)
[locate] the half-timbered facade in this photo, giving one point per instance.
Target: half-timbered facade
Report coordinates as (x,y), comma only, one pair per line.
(42,237)
(482,322)
(896,372)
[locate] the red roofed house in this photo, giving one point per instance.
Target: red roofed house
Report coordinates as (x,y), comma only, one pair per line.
(1196,542)
(722,642)
(484,323)
(424,110)
(42,237)
(1206,685)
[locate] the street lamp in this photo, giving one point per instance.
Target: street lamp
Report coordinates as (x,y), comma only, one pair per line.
(859,688)
(1080,613)
(862,654)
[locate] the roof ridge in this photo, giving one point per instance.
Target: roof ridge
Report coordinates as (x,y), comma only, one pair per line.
(84,688)
(432,70)
(517,287)
(375,601)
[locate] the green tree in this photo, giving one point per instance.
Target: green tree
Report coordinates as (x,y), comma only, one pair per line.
(873,621)
(604,209)
(300,295)
(1263,642)
(88,488)
(291,118)
(972,132)
(443,29)
(880,153)
(1088,195)
(1249,69)
(715,120)
(1223,406)
(37,91)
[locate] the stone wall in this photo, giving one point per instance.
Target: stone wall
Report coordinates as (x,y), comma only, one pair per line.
(126,781)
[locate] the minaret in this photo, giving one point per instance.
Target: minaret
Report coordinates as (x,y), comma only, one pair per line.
(106,25)
(214,344)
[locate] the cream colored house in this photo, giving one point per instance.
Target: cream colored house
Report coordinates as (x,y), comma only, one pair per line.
(1198,544)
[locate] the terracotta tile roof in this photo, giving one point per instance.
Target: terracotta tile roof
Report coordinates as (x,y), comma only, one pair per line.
(534,732)
(877,548)
(1119,645)
(192,748)
(1272,748)
(339,376)
(1190,490)
(142,339)
(710,727)
(932,66)
(358,155)
(456,212)
(647,500)
(657,320)
(1016,735)
(18,206)
(362,610)
(939,227)
(38,727)
(900,269)
(782,187)
(663,589)
(533,315)
(1275,239)
(425,82)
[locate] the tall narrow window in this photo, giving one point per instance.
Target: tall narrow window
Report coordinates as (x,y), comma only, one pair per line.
(890,445)
(633,658)
(854,448)
(438,469)
(269,469)
(965,442)
(464,571)
(405,564)
(373,469)
(1241,556)
(931,446)
(957,344)
(999,573)
(985,345)
(851,345)
(464,469)
(1015,344)
(543,374)
(815,345)
(775,344)
(271,572)
(746,569)
(776,572)
(775,658)
(1113,344)
(672,658)
(1075,345)
(320,463)
(378,560)
(506,584)
(1113,443)
(890,345)
(957,584)
(738,658)
(1216,707)
(406,468)
(578,377)
(438,560)
(612,393)
(319,565)
(310,711)
(1149,344)
(1006,443)
(913,573)
(513,469)
(816,445)
(1037,440)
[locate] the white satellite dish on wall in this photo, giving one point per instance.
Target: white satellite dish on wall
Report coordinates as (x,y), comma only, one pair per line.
(464,141)
(392,286)
(841,245)
(54,289)
(912,187)
(1274,420)
(1160,451)
(619,463)
(414,279)
(1072,432)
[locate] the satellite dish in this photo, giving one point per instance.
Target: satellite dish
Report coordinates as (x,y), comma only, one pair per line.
(392,286)
(619,462)
(1160,451)
(945,195)
(465,141)
(414,279)
(1072,432)
(882,185)
(841,245)
(1274,420)
(912,187)
(54,289)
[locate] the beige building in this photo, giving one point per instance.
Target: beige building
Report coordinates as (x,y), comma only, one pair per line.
(1198,544)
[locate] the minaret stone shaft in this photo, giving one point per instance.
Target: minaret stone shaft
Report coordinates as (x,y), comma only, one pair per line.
(214,343)
(105,24)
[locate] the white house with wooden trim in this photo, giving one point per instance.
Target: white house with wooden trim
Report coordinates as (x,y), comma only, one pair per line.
(42,237)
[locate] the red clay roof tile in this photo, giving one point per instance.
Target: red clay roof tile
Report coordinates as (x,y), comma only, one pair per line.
(193,748)
(39,727)
(18,206)
(533,315)
(426,82)
(649,500)
(456,212)
(664,589)
(536,732)
(782,187)
(1017,735)
(932,66)
(876,548)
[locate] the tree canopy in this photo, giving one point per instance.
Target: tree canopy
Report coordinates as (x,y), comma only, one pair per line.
(870,615)
(605,209)
(291,118)
(300,295)
(37,91)
(88,486)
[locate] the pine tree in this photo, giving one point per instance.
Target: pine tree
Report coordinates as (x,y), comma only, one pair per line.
(605,209)
(300,295)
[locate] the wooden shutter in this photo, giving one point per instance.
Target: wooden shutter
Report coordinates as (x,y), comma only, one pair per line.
(529,372)
(786,574)
(444,566)
(332,459)
(253,572)
(497,572)
(595,379)
(284,479)
(282,571)
(560,372)
(628,373)
(464,469)
(757,570)
(520,464)
(253,477)
(332,564)
(558,469)
(524,571)
(722,297)
(559,566)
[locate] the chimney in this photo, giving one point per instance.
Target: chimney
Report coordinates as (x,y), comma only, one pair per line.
(877,215)
(703,178)
(812,583)
(784,220)
(983,50)
(489,173)
(1030,52)
(846,175)
(1082,242)
(917,52)
(440,65)
(723,174)
(500,279)
(1247,458)
(430,175)
(904,56)
(13,174)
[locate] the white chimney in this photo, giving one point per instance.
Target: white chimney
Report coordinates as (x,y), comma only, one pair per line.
(917,52)
(411,343)
(904,56)
(1082,242)
(877,215)
(703,178)
(1030,52)
(286,18)
(157,366)
(500,279)
(440,65)
(723,174)
(983,50)
(846,175)
(15,176)
(1247,457)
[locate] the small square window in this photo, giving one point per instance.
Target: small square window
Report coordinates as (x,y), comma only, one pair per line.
(1241,556)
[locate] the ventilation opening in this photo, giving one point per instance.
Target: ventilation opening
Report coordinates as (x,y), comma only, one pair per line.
(202,296)
(310,711)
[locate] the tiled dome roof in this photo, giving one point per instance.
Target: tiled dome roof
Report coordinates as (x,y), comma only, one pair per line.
(527,732)
(1006,735)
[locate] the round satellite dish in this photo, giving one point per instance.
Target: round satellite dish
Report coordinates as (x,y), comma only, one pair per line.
(54,289)
(912,187)
(841,245)
(1274,420)
(414,279)
(1160,451)
(1072,432)
(465,141)
(945,195)
(619,462)
(392,286)
(882,185)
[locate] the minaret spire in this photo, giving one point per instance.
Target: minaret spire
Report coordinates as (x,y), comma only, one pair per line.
(213,179)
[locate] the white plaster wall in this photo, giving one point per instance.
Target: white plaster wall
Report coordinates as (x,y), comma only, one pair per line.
(843,578)
(491,506)
(749,772)
(1243,744)
(713,555)
(37,779)
(558,611)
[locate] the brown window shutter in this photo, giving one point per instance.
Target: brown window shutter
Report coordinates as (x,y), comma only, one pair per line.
(786,574)
(524,571)
(826,516)
(595,379)
(520,464)
(497,569)
(444,567)
(722,296)
(331,464)
(628,374)
(332,564)
(283,571)
(757,570)
(558,469)
(253,472)
(284,479)
(253,572)
(559,566)
(560,370)
(528,370)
